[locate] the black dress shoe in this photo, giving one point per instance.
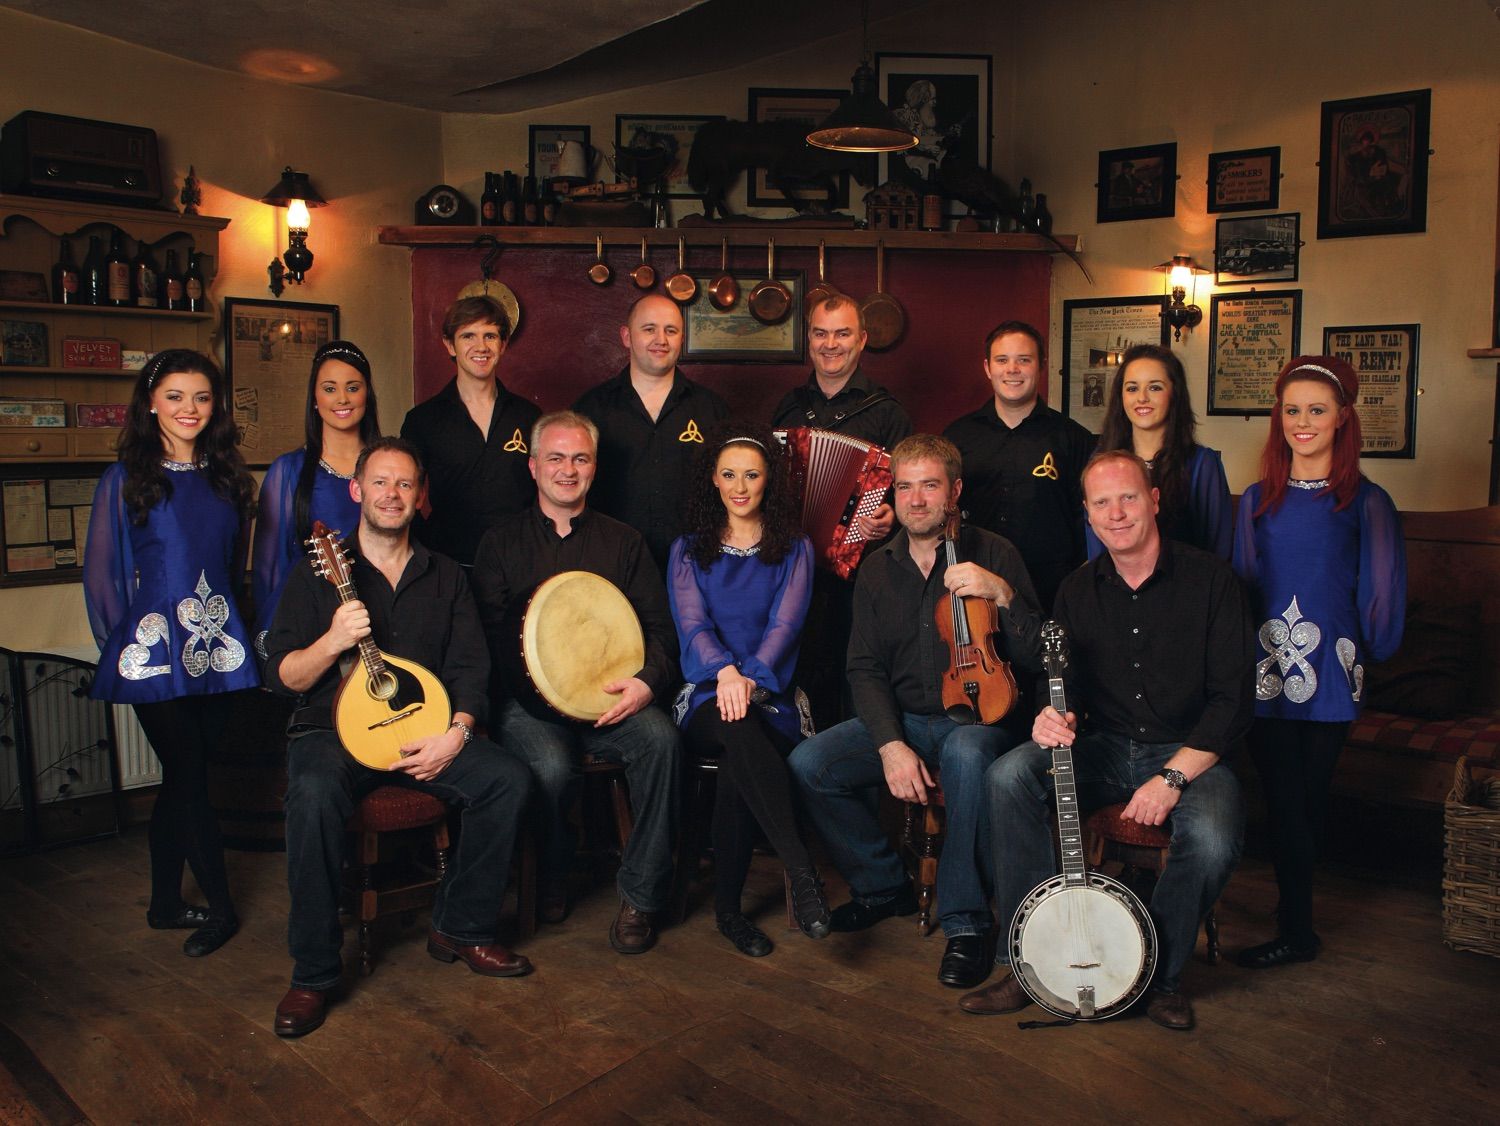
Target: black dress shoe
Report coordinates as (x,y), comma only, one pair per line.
(748,939)
(809,904)
(856,916)
(300,1011)
(187,918)
(209,937)
(1278,952)
(964,963)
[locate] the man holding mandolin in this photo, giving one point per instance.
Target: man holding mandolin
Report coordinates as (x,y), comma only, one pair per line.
(390,592)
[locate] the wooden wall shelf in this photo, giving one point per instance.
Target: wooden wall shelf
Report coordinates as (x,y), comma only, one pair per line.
(752,235)
(107,310)
(1484,353)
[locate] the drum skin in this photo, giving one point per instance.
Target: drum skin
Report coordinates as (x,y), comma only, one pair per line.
(579,633)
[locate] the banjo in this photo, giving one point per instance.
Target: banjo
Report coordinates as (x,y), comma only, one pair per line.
(1082,945)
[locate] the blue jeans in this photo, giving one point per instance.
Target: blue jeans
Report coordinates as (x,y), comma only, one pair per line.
(840,773)
(324,783)
(649,746)
(1207,826)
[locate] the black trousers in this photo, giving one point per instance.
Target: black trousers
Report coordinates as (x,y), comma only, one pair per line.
(825,650)
(754,787)
(183,733)
(1296,760)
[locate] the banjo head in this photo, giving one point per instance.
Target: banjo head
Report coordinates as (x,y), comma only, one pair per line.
(579,634)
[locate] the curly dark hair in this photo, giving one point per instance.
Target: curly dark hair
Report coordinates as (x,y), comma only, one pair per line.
(146,482)
(1169,469)
(705,517)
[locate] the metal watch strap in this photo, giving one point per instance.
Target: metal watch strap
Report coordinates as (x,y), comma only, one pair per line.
(467,730)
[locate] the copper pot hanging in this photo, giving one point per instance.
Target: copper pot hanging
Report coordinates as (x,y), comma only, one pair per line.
(824,289)
(643,275)
(599,272)
(770,300)
(724,291)
(681,286)
(885,320)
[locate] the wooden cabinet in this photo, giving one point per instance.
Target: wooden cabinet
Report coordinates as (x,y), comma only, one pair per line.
(30,230)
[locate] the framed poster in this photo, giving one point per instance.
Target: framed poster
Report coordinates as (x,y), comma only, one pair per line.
(44,522)
(1372,165)
(1097,331)
(1244,180)
(268,351)
(806,107)
(1385,356)
(672,132)
(1252,249)
(733,334)
(1138,183)
(945,100)
(1251,337)
(543,148)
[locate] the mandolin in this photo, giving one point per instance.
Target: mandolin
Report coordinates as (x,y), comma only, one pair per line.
(979,685)
(386,701)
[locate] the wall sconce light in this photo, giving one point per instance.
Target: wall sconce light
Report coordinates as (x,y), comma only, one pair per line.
(1181,276)
(294,192)
(862,122)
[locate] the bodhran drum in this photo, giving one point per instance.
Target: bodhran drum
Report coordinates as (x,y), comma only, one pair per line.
(578,633)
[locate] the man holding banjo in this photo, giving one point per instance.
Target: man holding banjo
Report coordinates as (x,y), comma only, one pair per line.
(1162,659)
(540,696)
(418,602)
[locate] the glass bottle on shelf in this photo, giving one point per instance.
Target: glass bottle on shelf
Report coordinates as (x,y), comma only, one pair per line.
(1042,219)
(143,277)
(1026,208)
(117,270)
(173,295)
(65,280)
(195,292)
(933,217)
(531,204)
(549,205)
(93,282)
(489,203)
(510,201)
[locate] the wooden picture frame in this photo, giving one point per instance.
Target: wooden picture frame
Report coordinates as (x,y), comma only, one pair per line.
(945,100)
(44,518)
(1244,180)
(1385,356)
(542,143)
(711,334)
(1096,332)
(1255,249)
(809,107)
(1137,183)
(1251,338)
(268,351)
(1372,165)
(673,131)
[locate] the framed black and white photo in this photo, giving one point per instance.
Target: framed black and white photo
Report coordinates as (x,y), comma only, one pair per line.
(1138,183)
(674,133)
(1097,331)
(1385,357)
(1244,180)
(1252,249)
(268,351)
(945,100)
(1372,165)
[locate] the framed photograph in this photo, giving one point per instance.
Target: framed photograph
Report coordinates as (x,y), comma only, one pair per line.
(1138,183)
(1251,337)
(1372,165)
(1244,180)
(945,100)
(44,522)
(544,147)
(1253,249)
(1096,333)
(673,132)
(268,351)
(806,107)
(733,334)
(1385,356)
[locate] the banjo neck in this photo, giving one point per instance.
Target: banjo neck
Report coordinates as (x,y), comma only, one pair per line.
(1064,782)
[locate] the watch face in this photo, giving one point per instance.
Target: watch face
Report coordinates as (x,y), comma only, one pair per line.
(443,203)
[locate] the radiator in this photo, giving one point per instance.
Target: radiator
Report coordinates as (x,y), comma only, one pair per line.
(138,763)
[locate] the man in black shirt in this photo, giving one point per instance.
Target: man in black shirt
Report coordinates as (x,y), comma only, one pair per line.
(561,534)
(651,421)
(1022,461)
(903,736)
(1161,667)
(417,605)
(471,434)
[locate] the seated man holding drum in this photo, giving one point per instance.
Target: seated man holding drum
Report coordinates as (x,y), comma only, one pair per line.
(537,714)
(1162,668)
(416,605)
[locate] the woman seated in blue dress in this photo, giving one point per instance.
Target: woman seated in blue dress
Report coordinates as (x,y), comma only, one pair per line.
(312,483)
(739,583)
(1150,413)
(164,560)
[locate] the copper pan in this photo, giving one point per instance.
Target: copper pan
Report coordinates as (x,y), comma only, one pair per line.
(681,287)
(643,275)
(599,272)
(769,300)
(824,289)
(724,291)
(885,320)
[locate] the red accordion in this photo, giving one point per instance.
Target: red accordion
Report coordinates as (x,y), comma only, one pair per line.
(837,478)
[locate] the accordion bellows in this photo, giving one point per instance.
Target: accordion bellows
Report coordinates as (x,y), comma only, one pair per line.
(837,478)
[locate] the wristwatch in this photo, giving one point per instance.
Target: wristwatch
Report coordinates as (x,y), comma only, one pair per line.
(1174,778)
(469,732)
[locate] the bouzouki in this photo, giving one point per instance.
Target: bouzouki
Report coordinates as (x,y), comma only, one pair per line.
(1082,945)
(385,702)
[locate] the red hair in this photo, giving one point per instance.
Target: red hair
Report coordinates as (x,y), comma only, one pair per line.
(1276,458)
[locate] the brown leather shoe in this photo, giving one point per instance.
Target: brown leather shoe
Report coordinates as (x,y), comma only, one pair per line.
(632,932)
(300,1011)
(553,907)
(1005,996)
(491,959)
(1171,1010)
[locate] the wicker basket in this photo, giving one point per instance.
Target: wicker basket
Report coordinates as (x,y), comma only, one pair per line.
(1471,864)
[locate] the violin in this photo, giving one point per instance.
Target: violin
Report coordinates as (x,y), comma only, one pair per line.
(979,686)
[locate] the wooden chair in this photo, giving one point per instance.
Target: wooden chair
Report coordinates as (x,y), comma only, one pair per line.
(1142,852)
(392,809)
(921,840)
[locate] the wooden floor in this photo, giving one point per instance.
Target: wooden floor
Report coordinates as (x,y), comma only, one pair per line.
(1388,1026)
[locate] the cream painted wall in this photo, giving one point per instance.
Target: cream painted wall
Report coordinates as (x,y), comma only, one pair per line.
(370,160)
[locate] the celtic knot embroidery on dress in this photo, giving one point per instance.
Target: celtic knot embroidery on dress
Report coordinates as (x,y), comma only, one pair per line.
(134,658)
(1290,641)
(1356,673)
(204,618)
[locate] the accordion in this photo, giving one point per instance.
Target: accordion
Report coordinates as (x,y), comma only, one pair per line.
(837,479)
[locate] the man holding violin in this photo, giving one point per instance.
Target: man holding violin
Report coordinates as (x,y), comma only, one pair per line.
(903,735)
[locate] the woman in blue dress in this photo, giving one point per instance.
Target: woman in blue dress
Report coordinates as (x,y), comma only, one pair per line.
(739,583)
(312,483)
(1320,549)
(162,567)
(1150,413)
